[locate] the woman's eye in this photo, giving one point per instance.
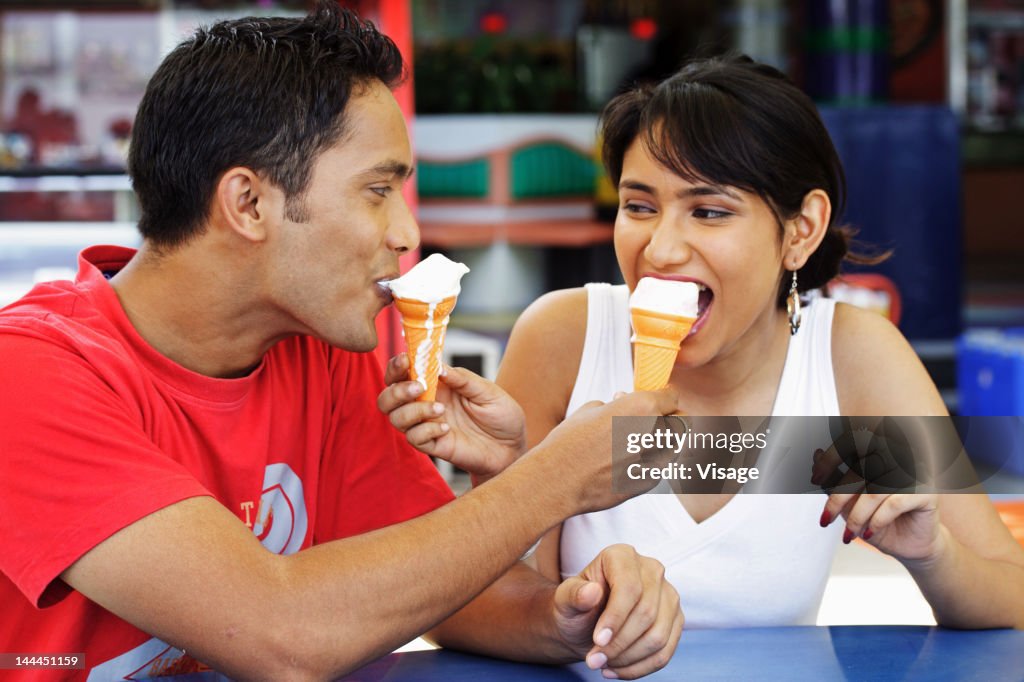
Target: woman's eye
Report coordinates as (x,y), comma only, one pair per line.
(710,213)
(631,207)
(382,191)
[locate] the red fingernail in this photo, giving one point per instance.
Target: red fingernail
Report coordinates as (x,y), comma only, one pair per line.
(826,518)
(867,534)
(847,536)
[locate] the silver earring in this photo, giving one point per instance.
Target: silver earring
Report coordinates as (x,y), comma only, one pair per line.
(793,307)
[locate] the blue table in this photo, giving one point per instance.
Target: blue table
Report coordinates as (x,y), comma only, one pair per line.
(796,653)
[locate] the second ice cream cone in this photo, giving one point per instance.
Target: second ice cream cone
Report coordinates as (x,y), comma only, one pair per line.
(425,325)
(655,346)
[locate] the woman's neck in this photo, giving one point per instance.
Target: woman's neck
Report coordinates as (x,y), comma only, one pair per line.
(744,377)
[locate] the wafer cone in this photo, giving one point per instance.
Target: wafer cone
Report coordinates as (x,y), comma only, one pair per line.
(655,346)
(425,325)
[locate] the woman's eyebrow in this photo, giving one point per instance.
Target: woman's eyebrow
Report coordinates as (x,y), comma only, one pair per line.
(707,191)
(696,191)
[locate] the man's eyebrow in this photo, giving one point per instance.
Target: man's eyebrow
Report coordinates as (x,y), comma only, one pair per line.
(389,168)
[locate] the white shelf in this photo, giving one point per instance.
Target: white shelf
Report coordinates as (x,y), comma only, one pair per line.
(39,234)
(66,183)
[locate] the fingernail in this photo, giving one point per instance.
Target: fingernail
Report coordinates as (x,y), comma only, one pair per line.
(603,637)
(596,661)
(826,518)
(610,674)
(445,428)
(847,536)
(415,389)
(437,408)
(867,534)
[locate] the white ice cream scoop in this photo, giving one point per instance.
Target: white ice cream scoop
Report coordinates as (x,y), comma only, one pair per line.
(666,296)
(433,279)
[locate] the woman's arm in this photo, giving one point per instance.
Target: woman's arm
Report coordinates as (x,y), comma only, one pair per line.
(964,559)
(539,370)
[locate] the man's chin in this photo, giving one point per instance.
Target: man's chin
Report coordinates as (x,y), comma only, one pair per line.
(363,344)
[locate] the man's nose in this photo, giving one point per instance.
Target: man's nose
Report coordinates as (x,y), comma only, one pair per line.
(403,233)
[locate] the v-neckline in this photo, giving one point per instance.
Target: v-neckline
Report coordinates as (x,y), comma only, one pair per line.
(790,346)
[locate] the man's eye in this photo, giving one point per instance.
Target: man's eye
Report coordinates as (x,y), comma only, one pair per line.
(382,191)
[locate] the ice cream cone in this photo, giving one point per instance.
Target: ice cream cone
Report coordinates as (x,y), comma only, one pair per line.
(655,346)
(425,325)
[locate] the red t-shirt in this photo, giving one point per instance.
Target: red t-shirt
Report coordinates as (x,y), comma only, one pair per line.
(97,430)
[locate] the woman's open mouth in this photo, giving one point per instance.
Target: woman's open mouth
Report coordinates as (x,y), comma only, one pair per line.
(705,298)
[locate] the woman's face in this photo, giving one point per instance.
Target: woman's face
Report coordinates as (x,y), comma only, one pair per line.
(720,237)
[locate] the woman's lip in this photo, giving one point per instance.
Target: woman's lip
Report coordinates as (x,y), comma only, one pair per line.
(674,278)
(702,319)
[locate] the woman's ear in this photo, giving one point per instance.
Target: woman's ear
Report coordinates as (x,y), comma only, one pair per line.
(245,201)
(805,232)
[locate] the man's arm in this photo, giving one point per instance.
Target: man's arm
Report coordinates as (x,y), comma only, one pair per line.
(195,576)
(620,613)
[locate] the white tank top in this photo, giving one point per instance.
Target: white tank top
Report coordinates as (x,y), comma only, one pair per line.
(761,560)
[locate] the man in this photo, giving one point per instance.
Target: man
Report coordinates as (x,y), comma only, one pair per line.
(192,459)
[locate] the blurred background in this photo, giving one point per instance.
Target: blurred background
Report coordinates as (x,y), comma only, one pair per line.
(924,99)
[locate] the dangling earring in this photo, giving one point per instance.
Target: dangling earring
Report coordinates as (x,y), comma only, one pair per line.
(793,307)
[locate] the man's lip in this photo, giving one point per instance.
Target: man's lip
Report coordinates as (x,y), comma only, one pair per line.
(383,290)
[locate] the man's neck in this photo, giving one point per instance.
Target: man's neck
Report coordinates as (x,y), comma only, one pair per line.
(197,310)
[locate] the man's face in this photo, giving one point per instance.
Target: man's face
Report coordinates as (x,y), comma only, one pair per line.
(325,272)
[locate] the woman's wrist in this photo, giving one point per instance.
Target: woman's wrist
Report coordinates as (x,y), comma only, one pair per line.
(942,550)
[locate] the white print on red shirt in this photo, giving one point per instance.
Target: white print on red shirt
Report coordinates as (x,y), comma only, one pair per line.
(281,524)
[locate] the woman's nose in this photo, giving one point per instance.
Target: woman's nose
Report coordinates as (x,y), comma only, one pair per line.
(669,245)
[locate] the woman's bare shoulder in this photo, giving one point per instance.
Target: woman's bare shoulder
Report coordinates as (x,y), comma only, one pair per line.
(545,346)
(562,312)
(876,369)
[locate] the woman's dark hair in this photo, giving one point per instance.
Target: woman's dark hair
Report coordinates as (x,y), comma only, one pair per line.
(732,121)
(265,93)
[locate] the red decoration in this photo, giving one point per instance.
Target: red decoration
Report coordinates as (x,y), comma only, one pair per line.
(493,22)
(643,28)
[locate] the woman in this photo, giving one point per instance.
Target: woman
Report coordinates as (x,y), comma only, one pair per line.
(727,177)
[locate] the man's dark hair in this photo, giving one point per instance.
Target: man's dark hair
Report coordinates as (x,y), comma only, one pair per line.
(732,121)
(268,94)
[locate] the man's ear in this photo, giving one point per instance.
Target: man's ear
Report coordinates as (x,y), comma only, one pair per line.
(246,202)
(804,233)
